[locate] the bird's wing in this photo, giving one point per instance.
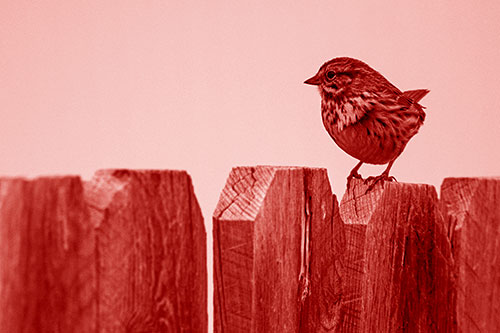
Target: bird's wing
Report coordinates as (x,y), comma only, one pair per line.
(395,114)
(415,95)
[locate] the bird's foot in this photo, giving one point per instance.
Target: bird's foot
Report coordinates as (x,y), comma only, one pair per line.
(353,174)
(375,179)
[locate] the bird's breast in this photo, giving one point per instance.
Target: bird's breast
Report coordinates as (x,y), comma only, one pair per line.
(363,140)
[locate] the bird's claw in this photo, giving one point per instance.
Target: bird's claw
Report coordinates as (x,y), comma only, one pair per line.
(351,176)
(375,179)
(354,174)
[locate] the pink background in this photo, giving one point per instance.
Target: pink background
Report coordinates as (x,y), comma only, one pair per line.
(208,86)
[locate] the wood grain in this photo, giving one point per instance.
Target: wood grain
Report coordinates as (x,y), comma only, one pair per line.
(47,275)
(124,252)
(151,252)
(274,248)
(356,210)
(398,260)
(472,210)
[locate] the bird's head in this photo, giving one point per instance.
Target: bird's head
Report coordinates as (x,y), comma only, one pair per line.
(339,75)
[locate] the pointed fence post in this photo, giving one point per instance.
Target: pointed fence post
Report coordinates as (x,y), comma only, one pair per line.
(398,261)
(274,252)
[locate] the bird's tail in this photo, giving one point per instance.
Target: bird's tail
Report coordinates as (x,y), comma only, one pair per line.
(416,95)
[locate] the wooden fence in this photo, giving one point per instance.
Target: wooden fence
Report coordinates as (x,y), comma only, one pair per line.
(126,252)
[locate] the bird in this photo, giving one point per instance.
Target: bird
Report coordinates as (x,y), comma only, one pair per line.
(367,116)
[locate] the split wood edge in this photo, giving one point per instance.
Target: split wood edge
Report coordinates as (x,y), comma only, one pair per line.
(422,250)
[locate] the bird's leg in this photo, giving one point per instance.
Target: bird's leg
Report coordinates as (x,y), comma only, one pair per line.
(384,176)
(354,174)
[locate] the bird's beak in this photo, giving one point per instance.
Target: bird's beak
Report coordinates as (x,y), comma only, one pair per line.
(313,81)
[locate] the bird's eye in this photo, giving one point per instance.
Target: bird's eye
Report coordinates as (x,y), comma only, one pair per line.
(330,75)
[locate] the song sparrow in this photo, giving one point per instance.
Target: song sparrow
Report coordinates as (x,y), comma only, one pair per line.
(367,116)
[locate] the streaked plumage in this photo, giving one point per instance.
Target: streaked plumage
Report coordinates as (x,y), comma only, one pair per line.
(367,116)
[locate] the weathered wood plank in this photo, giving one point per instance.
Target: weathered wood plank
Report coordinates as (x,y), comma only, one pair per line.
(398,260)
(274,249)
(472,210)
(356,209)
(47,275)
(125,252)
(151,252)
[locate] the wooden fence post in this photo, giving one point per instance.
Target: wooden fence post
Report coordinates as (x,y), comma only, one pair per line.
(47,263)
(274,252)
(125,252)
(472,210)
(398,262)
